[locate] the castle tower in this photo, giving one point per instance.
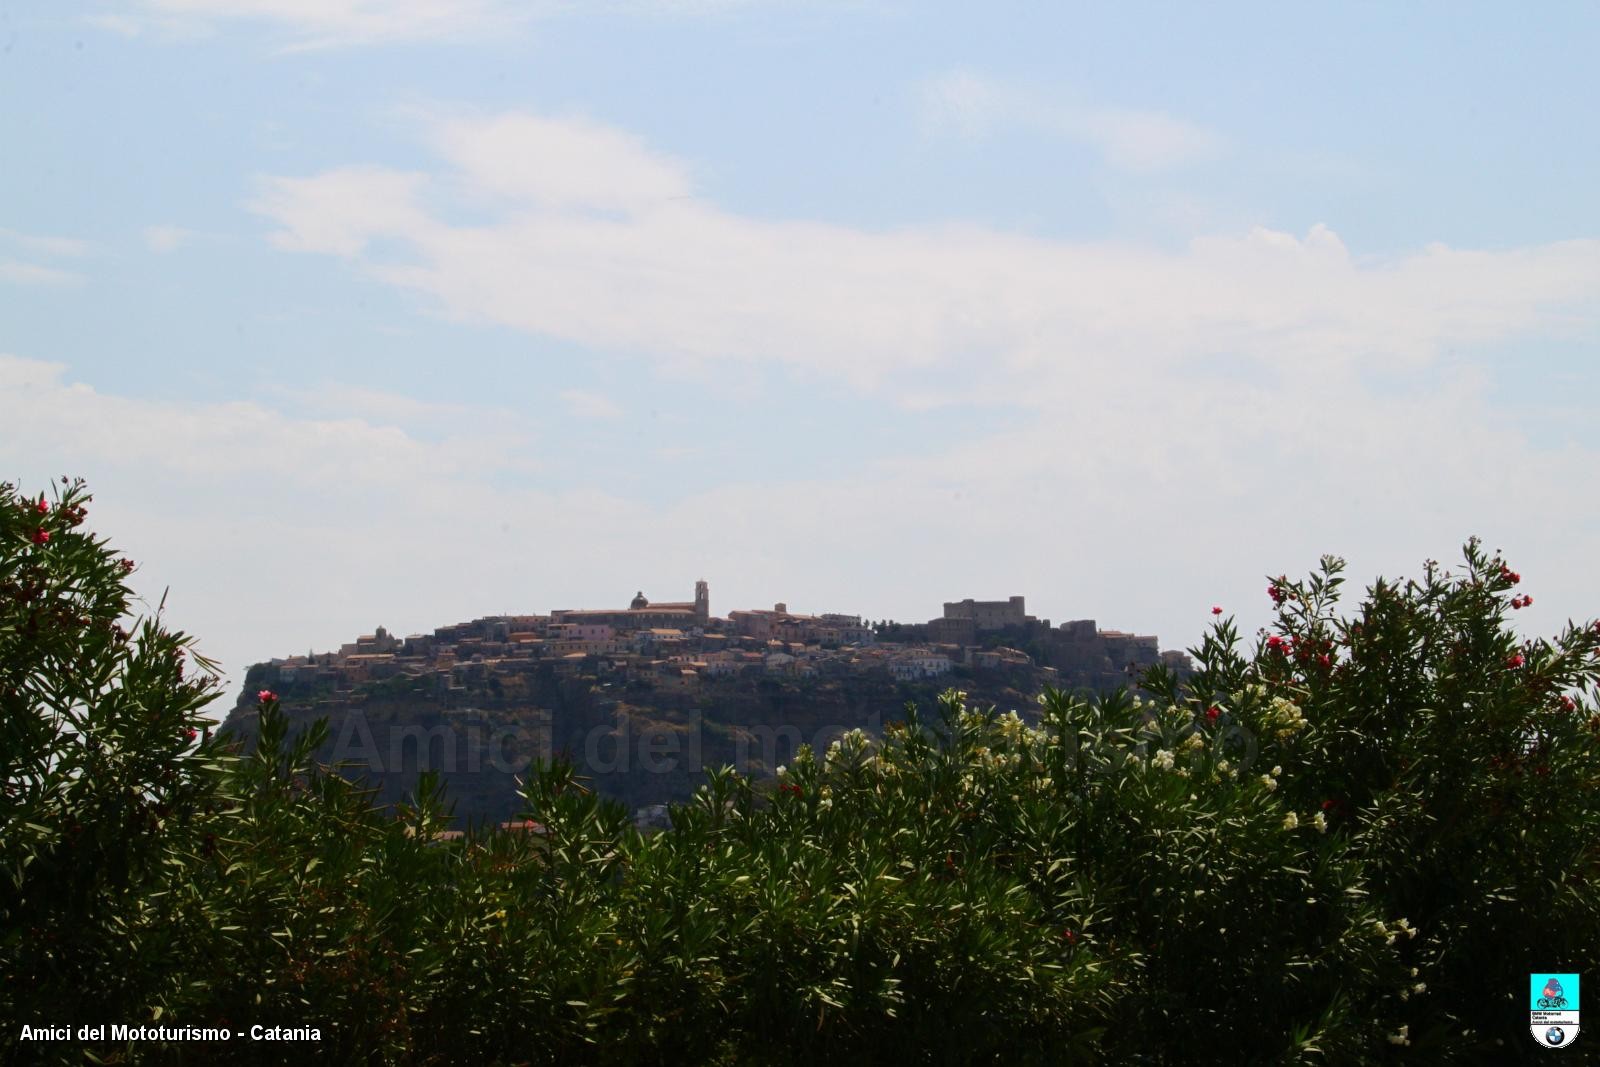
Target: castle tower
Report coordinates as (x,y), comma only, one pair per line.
(702,601)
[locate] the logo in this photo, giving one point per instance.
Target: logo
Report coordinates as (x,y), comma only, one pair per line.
(1553,1008)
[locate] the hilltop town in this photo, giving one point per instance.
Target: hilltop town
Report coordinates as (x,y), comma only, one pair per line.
(681,644)
(645,697)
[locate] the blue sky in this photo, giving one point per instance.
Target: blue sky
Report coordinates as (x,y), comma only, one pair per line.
(362,312)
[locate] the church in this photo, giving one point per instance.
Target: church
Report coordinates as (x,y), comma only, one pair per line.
(641,614)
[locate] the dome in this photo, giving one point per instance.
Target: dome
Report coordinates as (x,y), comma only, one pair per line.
(639,601)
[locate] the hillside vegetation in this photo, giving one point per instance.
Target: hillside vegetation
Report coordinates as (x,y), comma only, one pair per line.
(1349,841)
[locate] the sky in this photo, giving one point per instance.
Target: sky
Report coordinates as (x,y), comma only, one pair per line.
(404,312)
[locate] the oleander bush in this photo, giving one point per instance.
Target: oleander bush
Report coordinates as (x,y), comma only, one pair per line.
(1348,841)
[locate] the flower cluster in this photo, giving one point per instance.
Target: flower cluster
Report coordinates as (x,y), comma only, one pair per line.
(1285,718)
(1012,728)
(1401,928)
(848,749)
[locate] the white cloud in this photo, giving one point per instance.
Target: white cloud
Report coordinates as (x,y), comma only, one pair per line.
(583,237)
(542,162)
(338,23)
(380,406)
(18,273)
(364,201)
(113,23)
(163,239)
(320,23)
(234,439)
(588,405)
(58,247)
(1133,140)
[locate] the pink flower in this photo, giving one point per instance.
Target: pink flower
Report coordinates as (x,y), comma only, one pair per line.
(1568,704)
(266,696)
(43,506)
(190,734)
(1213,712)
(1216,611)
(1515,661)
(41,536)
(1324,661)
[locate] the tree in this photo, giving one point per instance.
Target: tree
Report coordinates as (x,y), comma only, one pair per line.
(105,769)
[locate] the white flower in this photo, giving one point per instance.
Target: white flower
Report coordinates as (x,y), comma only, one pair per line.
(1011,726)
(1320,821)
(1162,760)
(1277,771)
(1290,821)
(1285,717)
(1194,742)
(1268,782)
(1420,987)
(782,771)
(1223,766)
(1401,1038)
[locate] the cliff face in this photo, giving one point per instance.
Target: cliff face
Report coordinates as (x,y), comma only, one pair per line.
(641,743)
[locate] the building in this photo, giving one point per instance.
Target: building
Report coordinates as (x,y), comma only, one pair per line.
(641,614)
(990,614)
(916,664)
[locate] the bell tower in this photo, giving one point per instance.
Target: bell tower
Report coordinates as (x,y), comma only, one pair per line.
(702,601)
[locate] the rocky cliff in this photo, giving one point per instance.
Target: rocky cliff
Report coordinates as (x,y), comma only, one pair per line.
(641,742)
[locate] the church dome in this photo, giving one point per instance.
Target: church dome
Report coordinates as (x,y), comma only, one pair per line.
(639,601)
